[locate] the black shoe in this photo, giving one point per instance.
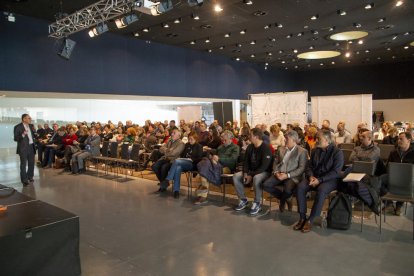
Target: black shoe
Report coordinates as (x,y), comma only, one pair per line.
(176,194)
(25,183)
(289,204)
(81,171)
(161,190)
(31,180)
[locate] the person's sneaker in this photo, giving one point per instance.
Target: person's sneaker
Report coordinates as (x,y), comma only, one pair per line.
(398,211)
(242,205)
(176,194)
(256,208)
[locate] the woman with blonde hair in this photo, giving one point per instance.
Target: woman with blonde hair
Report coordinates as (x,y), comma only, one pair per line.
(276,137)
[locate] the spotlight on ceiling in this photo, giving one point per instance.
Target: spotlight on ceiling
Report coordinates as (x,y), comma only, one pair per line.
(218,8)
(357,25)
(369,6)
(314,17)
(248,2)
(146,30)
(279,25)
(348,54)
(177,21)
(66,48)
(341,12)
(193,3)
(98,30)
(152,7)
(348,35)
(399,3)
(195,16)
(243,31)
(319,54)
(11,17)
(227,35)
(125,21)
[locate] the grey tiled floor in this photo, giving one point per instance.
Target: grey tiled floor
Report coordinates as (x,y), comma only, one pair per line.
(127,230)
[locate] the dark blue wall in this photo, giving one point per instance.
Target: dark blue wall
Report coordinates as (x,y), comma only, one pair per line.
(384,81)
(113,64)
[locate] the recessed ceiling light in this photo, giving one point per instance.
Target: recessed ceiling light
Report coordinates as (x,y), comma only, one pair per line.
(248,2)
(218,8)
(252,55)
(295,51)
(311,47)
(406,33)
(319,54)
(350,42)
(367,51)
(331,29)
(271,39)
(207,40)
(314,32)
(347,54)
(296,67)
(266,64)
(253,42)
(265,68)
(378,58)
(267,26)
(321,64)
(238,45)
(369,6)
(165,25)
(283,62)
(357,25)
(243,31)
(360,42)
(269,53)
(146,30)
(279,25)
(394,37)
(357,52)
(314,17)
(193,42)
(393,57)
(388,49)
(399,3)
(209,50)
(222,47)
(136,34)
(306,27)
(381,20)
(406,47)
(341,12)
(351,35)
(280,51)
(348,61)
(301,33)
(195,16)
(289,36)
(227,35)
(237,58)
(177,21)
(333,62)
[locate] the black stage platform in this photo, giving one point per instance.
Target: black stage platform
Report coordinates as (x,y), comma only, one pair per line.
(37,238)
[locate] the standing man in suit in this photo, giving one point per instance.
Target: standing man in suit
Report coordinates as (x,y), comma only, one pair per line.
(288,168)
(24,135)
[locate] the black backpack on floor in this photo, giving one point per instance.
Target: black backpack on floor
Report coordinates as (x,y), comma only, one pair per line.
(340,212)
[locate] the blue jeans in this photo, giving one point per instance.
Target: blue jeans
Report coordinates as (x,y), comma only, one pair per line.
(322,191)
(257,183)
(178,166)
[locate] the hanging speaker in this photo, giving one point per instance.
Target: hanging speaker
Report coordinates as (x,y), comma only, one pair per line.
(66,48)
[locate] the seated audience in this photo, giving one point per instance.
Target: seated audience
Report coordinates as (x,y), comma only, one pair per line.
(341,134)
(204,136)
(226,156)
(288,167)
(257,167)
(92,148)
(310,139)
(326,124)
(392,137)
(403,154)
(322,175)
(276,137)
(170,151)
(367,151)
(190,156)
(54,144)
(361,126)
(383,131)
(107,134)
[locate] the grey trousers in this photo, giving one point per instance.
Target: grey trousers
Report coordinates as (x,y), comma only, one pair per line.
(80,157)
(257,184)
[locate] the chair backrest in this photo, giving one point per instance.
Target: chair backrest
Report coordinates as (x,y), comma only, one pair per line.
(347,154)
(125,151)
(367,167)
(385,150)
(114,150)
(349,146)
(104,149)
(134,155)
(401,179)
(378,141)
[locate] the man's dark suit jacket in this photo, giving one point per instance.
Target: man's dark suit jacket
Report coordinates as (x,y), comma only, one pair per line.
(23,142)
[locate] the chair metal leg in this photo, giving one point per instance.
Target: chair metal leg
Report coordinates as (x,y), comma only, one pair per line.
(362,216)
